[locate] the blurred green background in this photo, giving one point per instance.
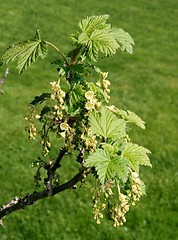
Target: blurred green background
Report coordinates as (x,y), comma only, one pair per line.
(145,83)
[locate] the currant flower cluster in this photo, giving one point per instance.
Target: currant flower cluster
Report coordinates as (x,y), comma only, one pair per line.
(57,96)
(118,211)
(92,101)
(136,185)
(104,84)
(100,200)
(89,140)
(30,128)
(104,199)
(69,134)
(54,117)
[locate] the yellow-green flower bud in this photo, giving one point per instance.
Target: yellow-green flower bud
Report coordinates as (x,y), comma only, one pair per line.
(89,95)
(55,86)
(89,106)
(98,83)
(37,116)
(64,126)
(106,82)
(62,93)
(63,134)
(56,107)
(104,75)
(53,96)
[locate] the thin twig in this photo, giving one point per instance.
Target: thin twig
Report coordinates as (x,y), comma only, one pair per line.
(3,79)
(51,171)
(58,160)
(59,51)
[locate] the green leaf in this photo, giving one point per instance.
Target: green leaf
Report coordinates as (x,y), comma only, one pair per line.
(77,72)
(45,114)
(98,36)
(89,24)
(45,110)
(100,159)
(106,124)
(109,148)
(130,117)
(124,39)
(75,100)
(26,52)
(120,168)
(135,155)
(112,148)
(143,188)
(40,99)
(107,167)
(134,118)
(99,40)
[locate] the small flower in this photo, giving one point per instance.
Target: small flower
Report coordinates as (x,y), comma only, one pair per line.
(48,144)
(111,108)
(33,129)
(108,90)
(100,215)
(55,86)
(122,197)
(98,221)
(63,134)
(89,95)
(103,206)
(98,104)
(61,100)
(104,75)
(106,82)
(56,107)
(53,96)
(89,106)
(93,101)
(98,83)
(37,116)
(62,93)
(134,175)
(64,126)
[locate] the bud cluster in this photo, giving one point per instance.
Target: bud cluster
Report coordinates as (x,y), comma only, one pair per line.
(69,134)
(88,139)
(104,199)
(135,192)
(104,84)
(58,96)
(101,197)
(30,128)
(92,102)
(45,143)
(118,211)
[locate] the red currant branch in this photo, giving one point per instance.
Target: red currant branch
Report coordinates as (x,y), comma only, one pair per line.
(30,199)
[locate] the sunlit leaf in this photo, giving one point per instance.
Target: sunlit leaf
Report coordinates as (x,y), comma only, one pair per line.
(26,52)
(106,166)
(98,36)
(134,118)
(106,124)
(136,155)
(89,24)
(130,117)
(124,39)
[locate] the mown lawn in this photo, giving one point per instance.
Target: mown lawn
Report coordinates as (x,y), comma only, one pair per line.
(145,82)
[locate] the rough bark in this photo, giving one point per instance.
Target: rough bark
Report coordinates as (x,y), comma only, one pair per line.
(30,199)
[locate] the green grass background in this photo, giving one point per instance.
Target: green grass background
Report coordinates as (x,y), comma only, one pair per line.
(145,82)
